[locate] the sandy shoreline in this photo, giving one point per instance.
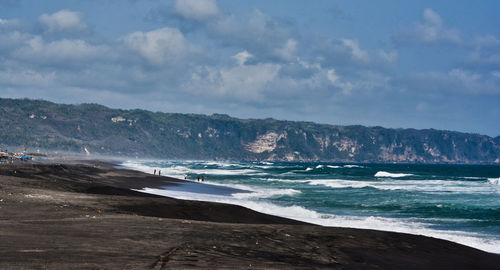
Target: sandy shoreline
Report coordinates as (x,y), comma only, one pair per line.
(85,215)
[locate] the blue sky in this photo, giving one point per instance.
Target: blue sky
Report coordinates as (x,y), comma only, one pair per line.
(398,64)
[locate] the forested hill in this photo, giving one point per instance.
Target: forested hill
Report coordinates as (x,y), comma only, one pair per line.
(97,129)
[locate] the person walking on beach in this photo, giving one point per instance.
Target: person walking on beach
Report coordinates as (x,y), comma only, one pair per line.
(159,172)
(198,179)
(202,178)
(154,172)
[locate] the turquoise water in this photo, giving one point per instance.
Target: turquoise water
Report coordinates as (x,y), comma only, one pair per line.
(460,203)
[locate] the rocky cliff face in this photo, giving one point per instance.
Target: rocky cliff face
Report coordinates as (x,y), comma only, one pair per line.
(98,129)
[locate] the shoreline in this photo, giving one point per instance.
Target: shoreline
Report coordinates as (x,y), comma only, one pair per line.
(257,199)
(83,214)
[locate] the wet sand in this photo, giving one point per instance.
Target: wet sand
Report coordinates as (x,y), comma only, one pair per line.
(84,215)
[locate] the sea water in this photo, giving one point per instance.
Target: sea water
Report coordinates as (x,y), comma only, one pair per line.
(460,203)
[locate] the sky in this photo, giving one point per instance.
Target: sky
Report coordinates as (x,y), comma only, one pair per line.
(397,64)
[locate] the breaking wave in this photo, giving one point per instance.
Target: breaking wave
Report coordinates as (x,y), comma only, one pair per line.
(392,175)
(494,181)
(360,222)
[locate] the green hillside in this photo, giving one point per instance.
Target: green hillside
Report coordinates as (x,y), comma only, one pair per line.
(44,125)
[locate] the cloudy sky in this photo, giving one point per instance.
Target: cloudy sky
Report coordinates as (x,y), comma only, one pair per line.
(418,64)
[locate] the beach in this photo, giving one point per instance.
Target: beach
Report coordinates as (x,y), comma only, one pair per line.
(71,214)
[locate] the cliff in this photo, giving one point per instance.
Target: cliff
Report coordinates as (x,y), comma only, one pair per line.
(97,129)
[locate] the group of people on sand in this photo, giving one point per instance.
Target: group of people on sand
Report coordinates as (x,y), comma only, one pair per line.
(198,178)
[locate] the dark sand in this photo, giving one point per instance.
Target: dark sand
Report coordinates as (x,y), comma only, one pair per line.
(85,216)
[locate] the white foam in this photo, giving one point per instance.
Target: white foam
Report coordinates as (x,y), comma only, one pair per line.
(360,222)
(309,169)
(268,193)
(257,192)
(285,180)
(334,166)
(293,212)
(320,166)
(392,175)
(494,181)
(337,183)
(179,171)
(428,186)
(353,166)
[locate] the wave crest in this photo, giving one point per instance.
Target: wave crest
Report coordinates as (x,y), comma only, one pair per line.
(392,175)
(494,181)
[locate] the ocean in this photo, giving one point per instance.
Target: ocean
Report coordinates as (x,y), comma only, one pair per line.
(460,203)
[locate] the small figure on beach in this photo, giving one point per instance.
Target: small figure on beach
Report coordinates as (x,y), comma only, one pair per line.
(202,178)
(185,177)
(154,172)
(198,179)
(159,172)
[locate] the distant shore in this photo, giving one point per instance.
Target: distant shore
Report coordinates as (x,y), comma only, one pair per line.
(70,214)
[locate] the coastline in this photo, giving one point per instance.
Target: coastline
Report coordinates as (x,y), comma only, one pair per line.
(84,214)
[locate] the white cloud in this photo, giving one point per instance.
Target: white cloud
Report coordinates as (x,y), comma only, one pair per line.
(13,39)
(430,30)
(64,51)
(346,87)
(26,77)
(347,53)
(356,51)
(464,76)
(242,57)
(63,20)
(487,41)
(159,46)
(288,51)
(244,83)
(197,9)
(266,38)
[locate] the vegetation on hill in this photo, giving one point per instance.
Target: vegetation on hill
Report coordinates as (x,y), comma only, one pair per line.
(99,129)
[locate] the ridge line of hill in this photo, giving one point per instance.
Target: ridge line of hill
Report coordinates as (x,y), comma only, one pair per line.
(94,128)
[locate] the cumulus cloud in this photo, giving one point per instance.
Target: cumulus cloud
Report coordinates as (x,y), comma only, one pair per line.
(348,53)
(356,52)
(27,77)
(242,82)
(63,20)
(430,30)
(9,24)
(159,46)
(289,50)
(66,51)
(242,57)
(12,40)
(198,10)
(335,80)
(265,37)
